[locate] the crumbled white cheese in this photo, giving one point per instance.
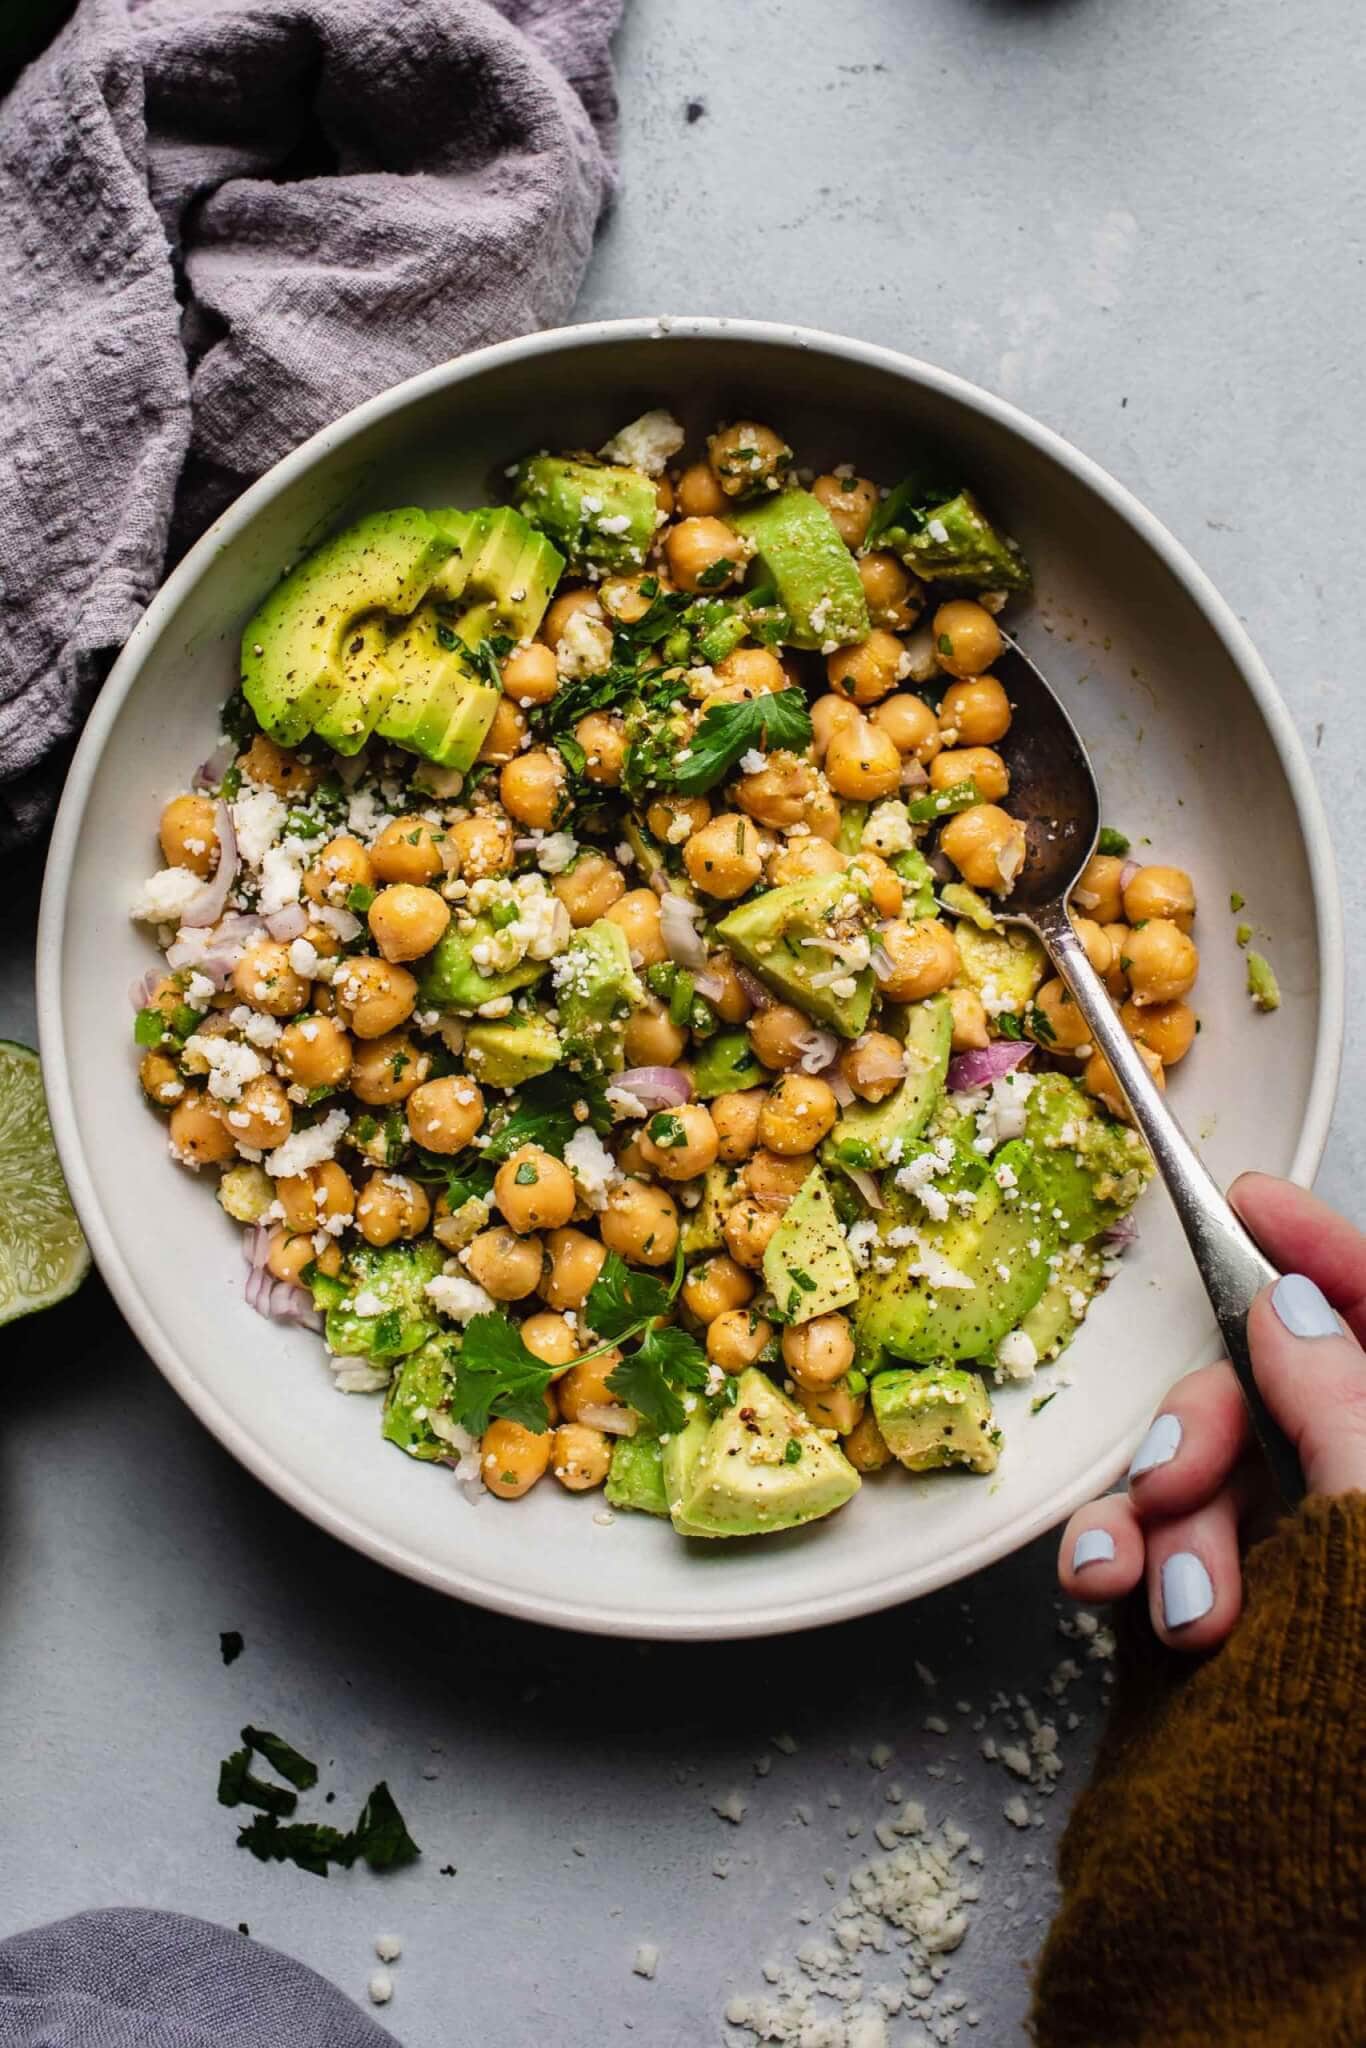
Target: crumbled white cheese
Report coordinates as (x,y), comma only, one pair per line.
(592,1165)
(1017,1355)
(308,1148)
(585,646)
(1003,1115)
(303,958)
(165,896)
(230,1063)
(556,852)
(458,1298)
(888,829)
(860,1238)
(649,443)
(381,1988)
(388,1947)
(199,992)
(646,1959)
(282,875)
(753,762)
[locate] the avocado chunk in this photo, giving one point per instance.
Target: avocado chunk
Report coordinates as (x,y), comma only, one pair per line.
(439,706)
(759,1467)
(513,1050)
(293,648)
(807,1263)
(963,1280)
(1088,1169)
(418,1403)
(877,1134)
(936,1417)
(951,542)
(799,552)
(703,1226)
(1004,968)
(383,1312)
(1056,1316)
(726,1065)
(636,1476)
(450,979)
(499,576)
(599,514)
(785,935)
(597,989)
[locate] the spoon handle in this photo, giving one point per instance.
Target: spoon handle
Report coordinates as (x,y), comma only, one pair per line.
(1233,1269)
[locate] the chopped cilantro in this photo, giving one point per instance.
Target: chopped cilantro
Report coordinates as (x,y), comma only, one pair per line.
(1236,900)
(526,1175)
(792,1451)
(1041,1401)
(779,719)
(1008,1026)
(1039,1026)
(359,897)
(803,1280)
(572,754)
(231,1645)
(380,1835)
(308,1843)
(944,643)
(1112,842)
(648,1377)
(238,1787)
(495,1374)
(543,1114)
(716,573)
(667,1131)
(279,1754)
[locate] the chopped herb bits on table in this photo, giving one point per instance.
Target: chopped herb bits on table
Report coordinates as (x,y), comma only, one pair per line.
(582,981)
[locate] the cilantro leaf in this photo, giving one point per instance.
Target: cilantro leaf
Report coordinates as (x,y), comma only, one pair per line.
(622,1299)
(281,1756)
(648,1379)
(238,1787)
(308,1843)
(380,1835)
(230,1644)
(729,730)
(1008,1026)
(543,1114)
(495,1374)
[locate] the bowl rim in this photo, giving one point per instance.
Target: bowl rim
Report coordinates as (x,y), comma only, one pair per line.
(693,1624)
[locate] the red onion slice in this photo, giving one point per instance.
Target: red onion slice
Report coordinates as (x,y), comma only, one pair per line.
(818,1049)
(709,986)
(210,773)
(913,775)
(1127,873)
(866,1185)
(349,768)
(207,906)
(655,1087)
(678,927)
(1122,1233)
(761,997)
(839,1088)
(609,1416)
(976,1069)
(140,991)
(289,923)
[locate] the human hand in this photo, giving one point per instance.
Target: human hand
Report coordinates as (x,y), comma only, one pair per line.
(1197,1477)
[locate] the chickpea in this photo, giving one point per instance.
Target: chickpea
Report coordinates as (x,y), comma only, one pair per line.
(506,734)
(603,740)
(778,793)
(862,763)
(884,883)
(874,1066)
(1161,962)
(976,711)
(851,503)
(773,1178)
(868,671)
(736,1117)
(758,669)
(652,1039)
(715,1287)
(1160,892)
(699,494)
(374,996)
(1117,975)
(573,1262)
(585,1386)
(314,1052)
(723,859)
(481,846)
(664,497)
(531,788)
(736,1337)
(1098,1080)
(970,1032)
(265,978)
(747,1230)
(1098,890)
(589,888)
(512,1458)
(443,1115)
(824,816)
(1168,1029)
(272,767)
(189,836)
(776,1034)
(733,1005)
(530,675)
(966,637)
(819,1352)
(199,1137)
(565,607)
(391,1206)
(582,1457)
(800,858)
(831,714)
(310,1199)
(506,1266)
(1096,943)
(343,865)
(894,597)
(637,913)
(408,850)
(534,1190)
(160,1078)
(909,724)
(621,597)
(548,1337)
(923,959)
(987,846)
(675,818)
(406,920)
(838,1407)
(865,1446)
(287,1256)
(640,1223)
(262,1116)
(680,1143)
(744,455)
(982,765)
(167,997)
(703,554)
(800,1111)
(1055,1020)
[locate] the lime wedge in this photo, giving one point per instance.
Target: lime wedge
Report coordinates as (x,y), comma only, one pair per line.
(43,1256)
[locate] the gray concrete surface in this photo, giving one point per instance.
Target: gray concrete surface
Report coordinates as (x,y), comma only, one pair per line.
(1143,224)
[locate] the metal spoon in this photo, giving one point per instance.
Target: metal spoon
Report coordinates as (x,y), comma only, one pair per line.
(1053,793)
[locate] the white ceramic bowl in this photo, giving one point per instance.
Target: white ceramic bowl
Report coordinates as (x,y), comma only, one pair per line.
(1195,752)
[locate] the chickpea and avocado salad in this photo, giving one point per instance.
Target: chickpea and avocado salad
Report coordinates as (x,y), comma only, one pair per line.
(582,973)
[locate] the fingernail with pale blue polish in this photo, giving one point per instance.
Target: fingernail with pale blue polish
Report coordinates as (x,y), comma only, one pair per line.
(1186,1589)
(1303,1307)
(1158,1447)
(1093,1546)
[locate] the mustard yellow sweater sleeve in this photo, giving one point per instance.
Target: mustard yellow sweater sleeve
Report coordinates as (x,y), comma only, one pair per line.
(1214,1871)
